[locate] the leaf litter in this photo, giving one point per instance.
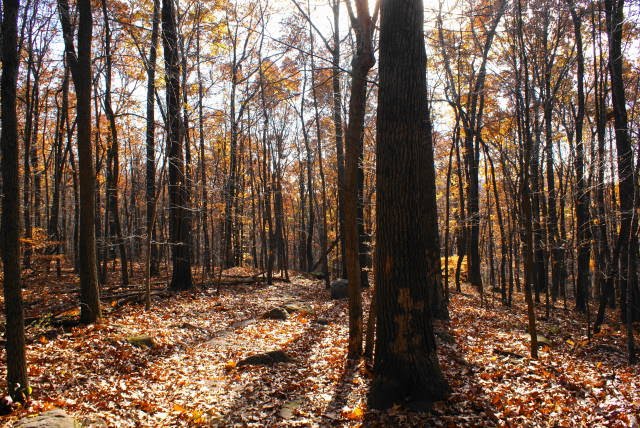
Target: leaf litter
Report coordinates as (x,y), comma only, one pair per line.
(190,376)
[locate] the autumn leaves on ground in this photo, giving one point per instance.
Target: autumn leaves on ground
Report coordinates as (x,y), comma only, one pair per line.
(189,375)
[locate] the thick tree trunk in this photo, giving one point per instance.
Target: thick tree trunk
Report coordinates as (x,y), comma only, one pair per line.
(17,380)
(179,217)
(406,365)
(630,297)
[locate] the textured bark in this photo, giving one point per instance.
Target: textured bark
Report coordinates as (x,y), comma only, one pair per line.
(203,165)
(527,216)
(362,62)
(582,192)
(603,252)
(436,292)
(179,218)
(323,187)
(154,262)
(630,297)
(53,228)
(17,380)
(337,126)
(80,65)
(406,365)
(113,155)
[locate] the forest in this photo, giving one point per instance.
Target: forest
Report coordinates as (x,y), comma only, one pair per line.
(320,213)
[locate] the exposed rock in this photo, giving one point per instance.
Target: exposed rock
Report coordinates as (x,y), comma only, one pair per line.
(266,359)
(293,307)
(93,421)
(55,418)
(340,289)
(276,314)
(543,340)
(288,409)
(141,341)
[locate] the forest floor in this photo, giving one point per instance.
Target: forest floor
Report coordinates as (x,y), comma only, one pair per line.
(190,376)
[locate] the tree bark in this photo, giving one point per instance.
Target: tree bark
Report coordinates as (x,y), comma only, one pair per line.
(406,365)
(150,191)
(113,155)
(80,65)
(630,297)
(362,62)
(179,218)
(17,378)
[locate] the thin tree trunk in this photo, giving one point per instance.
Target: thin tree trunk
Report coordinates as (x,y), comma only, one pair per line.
(80,65)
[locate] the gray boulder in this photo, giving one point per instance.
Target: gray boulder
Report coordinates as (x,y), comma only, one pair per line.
(340,289)
(55,418)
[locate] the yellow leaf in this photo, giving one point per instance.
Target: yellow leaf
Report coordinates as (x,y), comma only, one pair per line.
(354,414)
(179,408)
(230,365)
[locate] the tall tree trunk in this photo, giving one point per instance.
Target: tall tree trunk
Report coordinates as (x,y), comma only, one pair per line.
(527,217)
(150,194)
(362,62)
(17,380)
(630,297)
(179,221)
(337,126)
(80,65)
(59,160)
(435,294)
(603,259)
(113,155)
(406,365)
(203,165)
(582,192)
(323,188)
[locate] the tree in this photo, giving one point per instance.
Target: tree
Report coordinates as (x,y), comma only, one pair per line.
(362,62)
(113,158)
(627,238)
(80,65)
(582,193)
(17,381)
(150,194)
(406,365)
(179,218)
